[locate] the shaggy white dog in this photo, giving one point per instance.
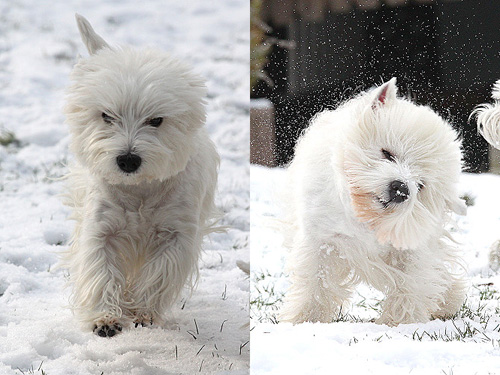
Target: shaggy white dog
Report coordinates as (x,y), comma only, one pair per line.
(488,118)
(371,186)
(142,186)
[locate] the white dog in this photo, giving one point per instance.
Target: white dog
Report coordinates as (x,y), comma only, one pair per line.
(371,186)
(142,186)
(488,118)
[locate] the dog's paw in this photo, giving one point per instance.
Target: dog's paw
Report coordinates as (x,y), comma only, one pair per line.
(142,323)
(105,330)
(143,320)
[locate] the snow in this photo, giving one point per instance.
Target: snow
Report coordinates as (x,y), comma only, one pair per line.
(39,44)
(468,344)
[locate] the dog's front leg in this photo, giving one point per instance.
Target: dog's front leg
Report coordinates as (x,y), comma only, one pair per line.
(98,277)
(320,283)
(171,261)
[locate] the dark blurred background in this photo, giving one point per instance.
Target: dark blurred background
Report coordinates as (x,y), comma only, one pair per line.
(445,54)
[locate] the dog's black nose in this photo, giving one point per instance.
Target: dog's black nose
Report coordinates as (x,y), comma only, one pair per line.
(129,163)
(398,192)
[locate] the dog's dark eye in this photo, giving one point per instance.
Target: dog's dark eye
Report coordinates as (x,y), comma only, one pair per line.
(388,155)
(420,186)
(107,119)
(155,122)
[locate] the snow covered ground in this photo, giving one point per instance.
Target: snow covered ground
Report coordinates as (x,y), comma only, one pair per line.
(38,46)
(468,344)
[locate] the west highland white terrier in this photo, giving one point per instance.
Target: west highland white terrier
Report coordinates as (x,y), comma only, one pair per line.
(142,185)
(371,186)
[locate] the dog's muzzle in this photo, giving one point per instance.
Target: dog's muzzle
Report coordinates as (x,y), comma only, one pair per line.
(398,192)
(129,162)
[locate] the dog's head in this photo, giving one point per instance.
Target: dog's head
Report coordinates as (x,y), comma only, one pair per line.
(133,114)
(402,163)
(488,118)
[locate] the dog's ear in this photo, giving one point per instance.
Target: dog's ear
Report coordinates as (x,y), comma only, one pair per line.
(92,41)
(385,93)
(458,206)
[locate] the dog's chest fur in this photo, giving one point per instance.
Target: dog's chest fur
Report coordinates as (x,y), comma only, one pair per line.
(142,218)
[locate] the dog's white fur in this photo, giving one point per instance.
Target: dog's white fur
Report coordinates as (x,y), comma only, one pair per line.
(488,118)
(488,125)
(342,229)
(138,235)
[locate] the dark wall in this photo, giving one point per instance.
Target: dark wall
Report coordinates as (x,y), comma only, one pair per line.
(445,55)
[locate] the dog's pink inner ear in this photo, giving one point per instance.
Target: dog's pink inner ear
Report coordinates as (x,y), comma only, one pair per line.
(383,94)
(381,98)
(386,93)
